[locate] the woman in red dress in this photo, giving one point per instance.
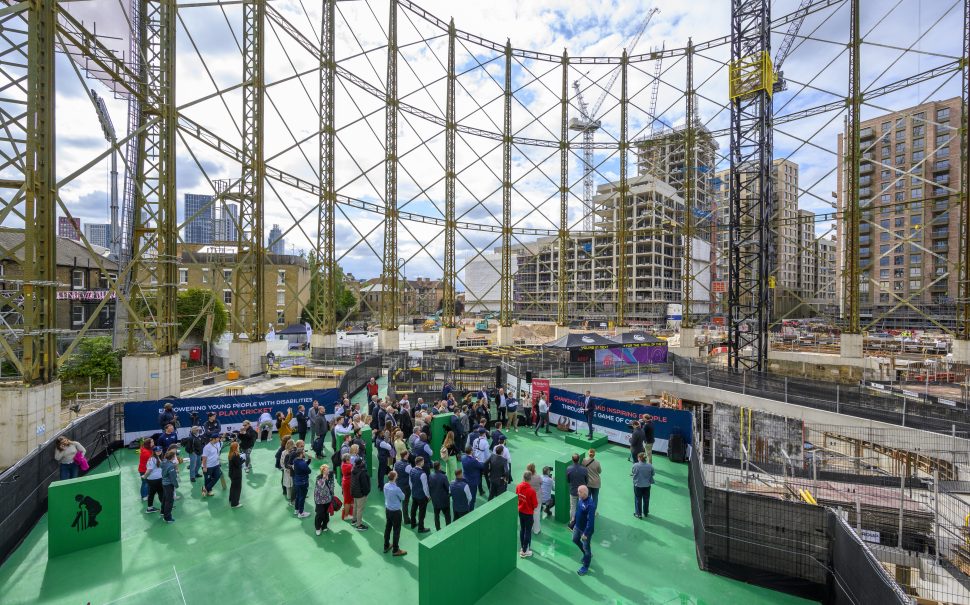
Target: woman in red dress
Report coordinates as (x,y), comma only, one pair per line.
(346,468)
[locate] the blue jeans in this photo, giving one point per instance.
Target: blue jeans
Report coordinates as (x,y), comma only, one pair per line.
(301,491)
(584,546)
(144,488)
(212,476)
(69,471)
(195,461)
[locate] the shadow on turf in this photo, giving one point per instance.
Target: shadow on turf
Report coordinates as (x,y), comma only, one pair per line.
(105,562)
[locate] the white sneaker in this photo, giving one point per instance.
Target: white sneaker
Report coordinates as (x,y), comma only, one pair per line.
(528,553)
(319,531)
(303,515)
(521,555)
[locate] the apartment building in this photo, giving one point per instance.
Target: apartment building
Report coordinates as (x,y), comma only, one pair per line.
(910,231)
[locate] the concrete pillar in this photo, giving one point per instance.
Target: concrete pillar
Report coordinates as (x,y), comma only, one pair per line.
(388,340)
(503,336)
(622,330)
(247,357)
(561,331)
(851,345)
(961,351)
(323,341)
(155,376)
(447,337)
(688,337)
(31,416)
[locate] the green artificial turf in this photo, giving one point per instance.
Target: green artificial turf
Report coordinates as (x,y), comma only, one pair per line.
(262,554)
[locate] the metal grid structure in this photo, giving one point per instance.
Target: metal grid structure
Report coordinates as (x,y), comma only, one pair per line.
(528,139)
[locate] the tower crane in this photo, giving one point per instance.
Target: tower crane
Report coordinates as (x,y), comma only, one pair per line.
(786,45)
(588,123)
(656,126)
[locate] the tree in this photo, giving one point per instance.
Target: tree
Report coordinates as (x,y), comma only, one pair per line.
(92,358)
(345,298)
(192,304)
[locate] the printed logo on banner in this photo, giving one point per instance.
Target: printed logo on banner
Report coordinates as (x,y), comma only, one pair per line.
(613,417)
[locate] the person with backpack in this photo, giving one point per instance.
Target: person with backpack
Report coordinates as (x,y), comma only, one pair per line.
(420,495)
(394,503)
(440,492)
(322,497)
(301,482)
(359,489)
(462,497)
(593,470)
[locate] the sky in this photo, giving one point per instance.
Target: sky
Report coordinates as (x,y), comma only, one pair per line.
(208,60)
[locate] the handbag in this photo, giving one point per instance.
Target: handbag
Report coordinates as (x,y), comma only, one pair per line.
(335,504)
(81,461)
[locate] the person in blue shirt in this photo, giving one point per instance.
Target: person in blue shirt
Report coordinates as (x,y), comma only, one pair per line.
(301,483)
(582,526)
(393,507)
(420,494)
(472,468)
(168,438)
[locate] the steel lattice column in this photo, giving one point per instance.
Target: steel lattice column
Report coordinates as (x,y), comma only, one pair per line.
(853,158)
(623,199)
(248,295)
(751,80)
(562,315)
(451,127)
(505,311)
(690,175)
(324,288)
(389,277)
(27,184)
(154,272)
(964,304)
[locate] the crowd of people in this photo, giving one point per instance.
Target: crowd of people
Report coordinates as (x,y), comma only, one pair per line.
(474,461)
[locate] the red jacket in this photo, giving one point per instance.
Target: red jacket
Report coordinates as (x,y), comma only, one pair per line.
(372,389)
(143,455)
(528,500)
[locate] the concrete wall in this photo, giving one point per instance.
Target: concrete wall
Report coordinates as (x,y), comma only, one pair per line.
(159,376)
(31,416)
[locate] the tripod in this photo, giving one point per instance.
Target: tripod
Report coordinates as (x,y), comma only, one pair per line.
(102,440)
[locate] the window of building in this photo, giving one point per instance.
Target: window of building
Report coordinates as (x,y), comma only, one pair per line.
(77,314)
(900,196)
(77,279)
(900,123)
(943,152)
(915,284)
(280,298)
(227,275)
(884,237)
(205,276)
(884,273)
(898,260)
(886,126)
(900,221)
(899,273)
(884,261)
(900,147)
(943,114)
(884,285)
(900,135)
(183,276)
(884,248)
(918,156)
(281,277)
(280,317)
(942,139)
(227,296)
(900,160)
(897,286)
(915,271)
(915,259)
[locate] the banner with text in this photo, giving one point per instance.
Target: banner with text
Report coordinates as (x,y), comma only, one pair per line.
(142,417)
(613,418)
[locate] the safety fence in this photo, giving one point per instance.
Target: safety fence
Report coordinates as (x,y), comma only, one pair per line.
(23,487)
(357,376)
(853,400)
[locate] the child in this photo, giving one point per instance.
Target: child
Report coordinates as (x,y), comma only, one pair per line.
(548,496)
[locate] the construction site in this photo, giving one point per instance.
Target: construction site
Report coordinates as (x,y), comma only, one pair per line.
(749,222)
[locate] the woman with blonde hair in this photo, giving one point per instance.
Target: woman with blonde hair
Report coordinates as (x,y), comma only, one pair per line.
(449,455)
(235,474)
(399,445)
(286,463)
(322,497)
(354,453)
(346,470)
(536,483)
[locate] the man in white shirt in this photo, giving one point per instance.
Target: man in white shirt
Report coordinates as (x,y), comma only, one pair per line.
(543,413)
(503,407)
(480,447)
(211,465)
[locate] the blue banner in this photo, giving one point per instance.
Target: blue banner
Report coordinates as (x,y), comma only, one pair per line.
(614,417)
(141,417)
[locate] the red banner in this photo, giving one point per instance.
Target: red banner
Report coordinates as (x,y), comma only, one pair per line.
(539,385)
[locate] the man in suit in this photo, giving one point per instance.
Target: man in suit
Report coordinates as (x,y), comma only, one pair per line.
(501,402)
(588,412)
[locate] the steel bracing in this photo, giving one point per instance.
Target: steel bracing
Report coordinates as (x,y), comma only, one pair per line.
(439,195)
(153,278)
(751,81)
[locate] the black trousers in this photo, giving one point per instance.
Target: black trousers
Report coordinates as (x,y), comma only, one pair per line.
(405,504)
(322,517)
(503,416)
(589,422)
(496,488)
(382,470)
(235,490)
(154,489)
(437,517)
(168,501)
(641,500)
(392,526)
(419,510)
(459,515)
